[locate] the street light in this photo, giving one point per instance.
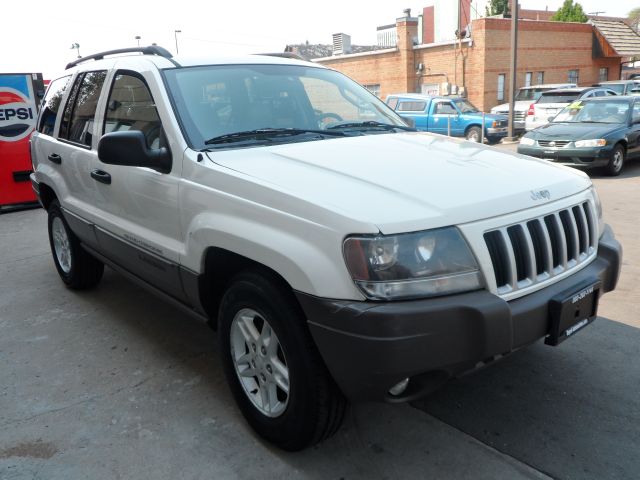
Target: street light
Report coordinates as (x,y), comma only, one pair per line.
(138,37)
(76,46)
(175,34)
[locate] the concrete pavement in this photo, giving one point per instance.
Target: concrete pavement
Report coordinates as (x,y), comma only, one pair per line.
(113,383)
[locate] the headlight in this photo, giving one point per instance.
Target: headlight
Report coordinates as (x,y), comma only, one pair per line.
(412,265)
(598,205)
(527,141)
(596,142)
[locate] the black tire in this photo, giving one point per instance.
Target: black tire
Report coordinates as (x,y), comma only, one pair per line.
(473,134)
(315,407)
(616,161)
(80,271)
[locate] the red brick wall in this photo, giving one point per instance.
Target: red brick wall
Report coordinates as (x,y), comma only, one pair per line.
(428,25)
(551,47)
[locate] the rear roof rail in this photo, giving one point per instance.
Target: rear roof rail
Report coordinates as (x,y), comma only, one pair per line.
(150,50)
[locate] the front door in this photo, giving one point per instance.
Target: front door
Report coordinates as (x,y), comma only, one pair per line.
(139,228)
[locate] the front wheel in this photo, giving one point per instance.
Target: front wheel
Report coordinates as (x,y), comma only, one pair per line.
(76,267)
(493,140)
(273,368)
(473,134)
(616,161)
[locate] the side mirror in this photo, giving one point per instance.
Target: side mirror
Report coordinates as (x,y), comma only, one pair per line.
(130,149)
(550,119)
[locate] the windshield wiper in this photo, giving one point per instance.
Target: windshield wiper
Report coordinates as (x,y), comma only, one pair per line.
(267,134)
(370,124)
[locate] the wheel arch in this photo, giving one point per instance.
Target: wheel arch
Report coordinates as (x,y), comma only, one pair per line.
(47,195)
(220,267)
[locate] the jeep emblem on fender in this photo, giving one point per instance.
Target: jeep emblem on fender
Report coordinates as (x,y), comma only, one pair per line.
(540,194)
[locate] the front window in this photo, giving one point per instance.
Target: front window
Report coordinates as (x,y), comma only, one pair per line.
(603,74)
(219,102)
(616,87)
(573,76)
(466,107)
(594,111)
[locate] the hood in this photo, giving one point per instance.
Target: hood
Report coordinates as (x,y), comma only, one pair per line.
(574,131)
(405,181)
(490,117)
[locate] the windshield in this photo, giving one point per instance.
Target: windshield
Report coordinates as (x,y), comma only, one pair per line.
(530,93)
(466,107)
(558,97)
(584,111)
(216,101)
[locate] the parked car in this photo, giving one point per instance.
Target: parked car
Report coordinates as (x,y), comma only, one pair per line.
(338,253)
(595,132)
(524,98)
(448,115)
(550,103)
(621,87)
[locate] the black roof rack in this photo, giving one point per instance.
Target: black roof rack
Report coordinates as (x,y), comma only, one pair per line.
(150,50)
(291,55)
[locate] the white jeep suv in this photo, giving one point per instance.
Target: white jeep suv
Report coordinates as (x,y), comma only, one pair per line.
(339,254)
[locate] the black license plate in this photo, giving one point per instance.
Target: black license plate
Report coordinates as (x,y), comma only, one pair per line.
(571,312)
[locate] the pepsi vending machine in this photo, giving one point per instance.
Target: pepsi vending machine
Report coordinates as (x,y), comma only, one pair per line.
(20,95)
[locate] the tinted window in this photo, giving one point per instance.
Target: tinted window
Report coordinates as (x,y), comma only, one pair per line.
(81,120)
(558,97)
(636,112)
(595,111)
(51,105)
(131,107)
(445,108)
(66,116)
(411,106)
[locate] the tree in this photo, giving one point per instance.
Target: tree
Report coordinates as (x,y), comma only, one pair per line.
(570,12)
(497,7)
(634,19)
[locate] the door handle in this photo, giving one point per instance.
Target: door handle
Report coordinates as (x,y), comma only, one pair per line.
(101,176)
(55,158)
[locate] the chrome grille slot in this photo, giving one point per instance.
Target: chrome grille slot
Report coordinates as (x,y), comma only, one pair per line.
(537,249)
(556,143)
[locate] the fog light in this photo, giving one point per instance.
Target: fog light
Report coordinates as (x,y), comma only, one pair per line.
(399,387)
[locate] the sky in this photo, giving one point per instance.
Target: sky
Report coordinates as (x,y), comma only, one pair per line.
(37,35)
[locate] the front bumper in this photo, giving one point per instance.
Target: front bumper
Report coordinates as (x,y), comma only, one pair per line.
(368,346)
(497,132)
(575,157)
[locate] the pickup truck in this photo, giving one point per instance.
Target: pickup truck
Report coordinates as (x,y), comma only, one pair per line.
(453,116)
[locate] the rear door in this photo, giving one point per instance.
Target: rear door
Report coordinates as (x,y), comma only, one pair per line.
(139,225)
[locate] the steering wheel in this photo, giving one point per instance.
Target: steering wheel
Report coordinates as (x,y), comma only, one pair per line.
(324,118)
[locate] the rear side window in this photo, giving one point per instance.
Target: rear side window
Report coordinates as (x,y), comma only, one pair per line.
(51,105)
(411,106)
(131,107)
(79,115)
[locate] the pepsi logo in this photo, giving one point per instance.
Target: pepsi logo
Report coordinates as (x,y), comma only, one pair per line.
(17,115)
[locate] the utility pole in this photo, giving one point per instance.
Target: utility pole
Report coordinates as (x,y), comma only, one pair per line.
(175,34)
(513,67)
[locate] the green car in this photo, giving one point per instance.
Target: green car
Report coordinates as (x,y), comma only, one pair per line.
(595,132)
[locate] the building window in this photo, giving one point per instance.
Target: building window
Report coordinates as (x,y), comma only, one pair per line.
(539,78)
(374,88)
(573,76)
(527,79)
(603,75)
(501,78)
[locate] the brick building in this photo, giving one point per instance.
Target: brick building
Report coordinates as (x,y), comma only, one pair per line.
(478,64)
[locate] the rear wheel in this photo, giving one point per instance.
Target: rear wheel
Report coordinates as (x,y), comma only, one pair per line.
(76,267)
(275,373)
(616,161)
(473,134)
